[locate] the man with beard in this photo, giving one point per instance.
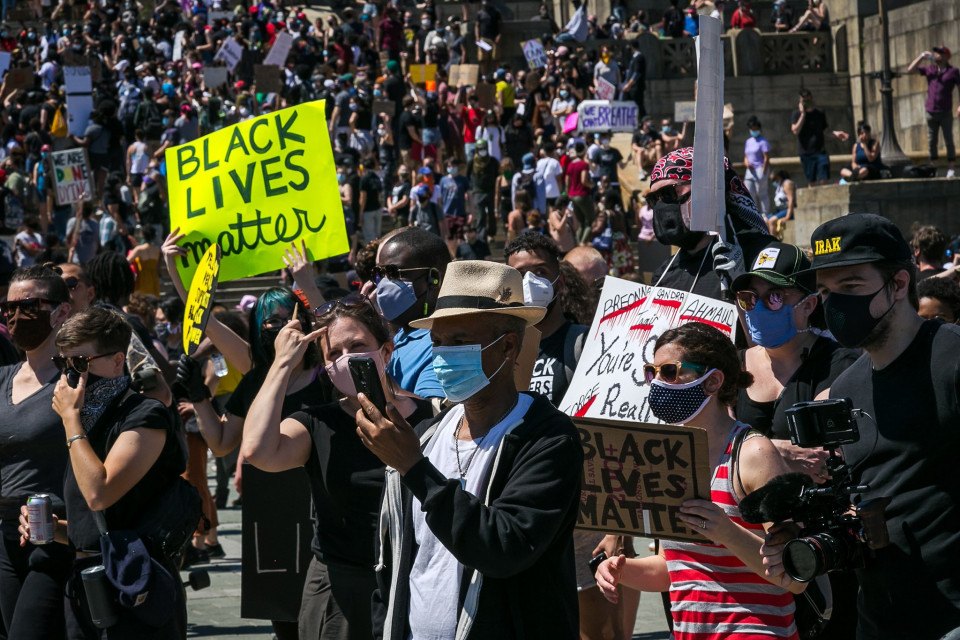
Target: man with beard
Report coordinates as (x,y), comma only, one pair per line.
(906,385)
(700,263)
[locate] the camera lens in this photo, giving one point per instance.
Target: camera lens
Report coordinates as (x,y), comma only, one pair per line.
(806,558)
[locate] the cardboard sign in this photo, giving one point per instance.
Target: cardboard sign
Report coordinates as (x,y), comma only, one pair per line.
(535,54)
(18,78)
(216,16)
(636,476)
(601,115)
(230,53)
(608,382)
(269,79)
(462,75)
(423,73)
(384,106)
(486,95)
(71,176)
(605,89)
(685,111)
(254,188)
(277,531)
(78,84)
(213,77)
(197,310)
(280,50)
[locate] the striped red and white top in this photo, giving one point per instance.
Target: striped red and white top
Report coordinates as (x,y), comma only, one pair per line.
(713,594)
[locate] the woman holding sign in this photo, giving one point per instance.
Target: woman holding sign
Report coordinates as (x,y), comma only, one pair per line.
(346,479)
(694,380)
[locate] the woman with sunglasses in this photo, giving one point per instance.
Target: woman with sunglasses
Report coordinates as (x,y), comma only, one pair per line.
(716,587)
(32,456)
(346,479)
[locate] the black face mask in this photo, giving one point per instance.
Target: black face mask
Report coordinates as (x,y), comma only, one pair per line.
(849,318)
(29,333)
(670,229)
(267,338)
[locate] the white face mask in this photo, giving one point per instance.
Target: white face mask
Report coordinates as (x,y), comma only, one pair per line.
(537,291)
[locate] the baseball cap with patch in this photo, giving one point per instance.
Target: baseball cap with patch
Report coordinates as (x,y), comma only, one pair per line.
(782,265)
(858,238)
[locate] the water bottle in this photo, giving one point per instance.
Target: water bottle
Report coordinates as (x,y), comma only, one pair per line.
(219,365)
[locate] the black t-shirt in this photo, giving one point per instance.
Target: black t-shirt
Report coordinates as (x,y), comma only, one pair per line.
(554,357)
(370,184)
(316,393)
(33,457)
(810,138)
(133,412)
(400,192)
(407,119)
(908,452)
(820,367)
(488,22)
(346,481)
(607,161)
(473,251)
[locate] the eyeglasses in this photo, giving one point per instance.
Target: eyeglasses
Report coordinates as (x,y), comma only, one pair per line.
(351,300)
(772,299)
(71,282)
(27,306)
(78,363)
(392,272)
(668,195)
(670,371)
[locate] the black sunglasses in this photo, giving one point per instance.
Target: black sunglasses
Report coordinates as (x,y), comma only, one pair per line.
(78,363)
(71,282)
(27,306)
(392,272)
(668,195)
(351,300)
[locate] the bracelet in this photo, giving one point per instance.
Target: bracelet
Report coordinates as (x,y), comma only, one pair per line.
(73,439)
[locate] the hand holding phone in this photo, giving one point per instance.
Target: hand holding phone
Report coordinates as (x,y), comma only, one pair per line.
(73,378)
(366,378)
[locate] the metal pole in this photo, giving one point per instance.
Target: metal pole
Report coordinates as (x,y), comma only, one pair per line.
(890,152)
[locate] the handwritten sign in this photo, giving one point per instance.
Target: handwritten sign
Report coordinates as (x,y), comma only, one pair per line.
(388,107)
(197,311)
(230,53)
(254,188)
(608,382)
(635,477)
(535,54)
(280,50)
(462,75)
(268,79)
(605,89)
(602,115)
(71,174)
(213,77)
(685,111)
(423,73)
(78,83)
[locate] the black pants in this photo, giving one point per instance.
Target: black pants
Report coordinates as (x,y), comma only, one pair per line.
(336,602)
(32,579)
(484,218)
(128,627)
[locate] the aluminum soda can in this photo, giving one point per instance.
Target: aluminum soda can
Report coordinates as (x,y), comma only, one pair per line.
(40,516)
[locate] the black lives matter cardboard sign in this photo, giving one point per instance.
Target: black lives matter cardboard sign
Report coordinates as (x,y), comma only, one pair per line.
(636,476)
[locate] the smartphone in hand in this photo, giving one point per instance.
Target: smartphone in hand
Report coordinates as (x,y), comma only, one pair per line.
(366,378)
(73,378)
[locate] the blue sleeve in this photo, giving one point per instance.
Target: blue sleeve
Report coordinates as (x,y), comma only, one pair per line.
(427,384)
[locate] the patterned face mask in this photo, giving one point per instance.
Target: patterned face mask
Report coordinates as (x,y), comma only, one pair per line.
(678,403)
(99,395)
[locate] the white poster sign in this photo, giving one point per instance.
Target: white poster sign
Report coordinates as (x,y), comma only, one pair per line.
(230,53)
(609,382)
(603,115)
(280,50)
(72,176)
(78,84)
(178,41)
(685,111)
(605,89)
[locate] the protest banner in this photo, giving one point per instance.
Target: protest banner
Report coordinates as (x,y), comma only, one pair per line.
(178,41)
(423,73)
(230,53)
(277,532)
(216,16)
(636,476)
(268,78)
(601,115)
(605,89)
(213,77)
(280,50)
(197,310)
(535,54)
(685,111)
(71,176)
(609,382)
(78,84)
(384,106)
(708,188)
(254,188)
(462,75)
(18,78)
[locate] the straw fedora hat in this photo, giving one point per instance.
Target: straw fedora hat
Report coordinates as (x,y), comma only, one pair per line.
(480,286)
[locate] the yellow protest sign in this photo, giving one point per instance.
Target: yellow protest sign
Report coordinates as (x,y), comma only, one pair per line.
(253,189)
(197,311)
(423,73)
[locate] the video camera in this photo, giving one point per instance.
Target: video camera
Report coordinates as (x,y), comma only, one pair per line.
(837,532)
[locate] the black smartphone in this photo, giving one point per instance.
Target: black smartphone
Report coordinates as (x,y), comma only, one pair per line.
(73,378)
(367,380)
(595,562)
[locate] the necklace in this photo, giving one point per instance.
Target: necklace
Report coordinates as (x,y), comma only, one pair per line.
(462,469)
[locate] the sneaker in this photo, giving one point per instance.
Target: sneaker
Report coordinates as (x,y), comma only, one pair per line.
(951,173)
(193,556)
(843,181)
(215,551)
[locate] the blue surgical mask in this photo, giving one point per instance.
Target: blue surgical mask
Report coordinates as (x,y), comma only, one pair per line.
(459,370)
(395,297)
(754,134)
(771,329)
(564,94)
(678,403)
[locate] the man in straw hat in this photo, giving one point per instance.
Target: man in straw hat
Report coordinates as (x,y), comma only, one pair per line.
(481,501)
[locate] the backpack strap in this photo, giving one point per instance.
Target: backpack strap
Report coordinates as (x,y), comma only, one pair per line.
(738,441)
(573,348)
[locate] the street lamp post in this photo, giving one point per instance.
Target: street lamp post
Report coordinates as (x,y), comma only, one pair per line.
(893,156)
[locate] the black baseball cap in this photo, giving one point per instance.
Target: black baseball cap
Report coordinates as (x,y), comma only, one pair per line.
(858,238)
(782,265)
